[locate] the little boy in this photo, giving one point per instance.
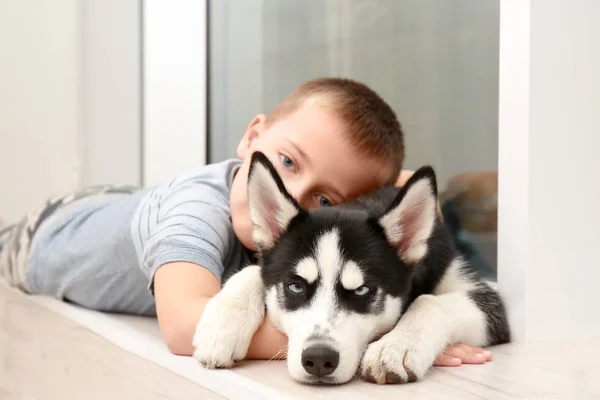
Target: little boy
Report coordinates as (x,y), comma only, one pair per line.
(167,250)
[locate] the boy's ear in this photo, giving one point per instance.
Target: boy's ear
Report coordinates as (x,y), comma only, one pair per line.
(410,220)
(256,127)
(271,206)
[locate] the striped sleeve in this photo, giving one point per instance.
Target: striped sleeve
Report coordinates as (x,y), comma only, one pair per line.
(190,222)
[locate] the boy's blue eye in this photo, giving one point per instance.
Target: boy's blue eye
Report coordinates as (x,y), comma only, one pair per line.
(323,201)
(286,161)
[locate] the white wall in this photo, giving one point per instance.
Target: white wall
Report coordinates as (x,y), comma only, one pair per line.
(39,102)
(69,98)
(111,92)
(564,164)
(174,79)
(549,164)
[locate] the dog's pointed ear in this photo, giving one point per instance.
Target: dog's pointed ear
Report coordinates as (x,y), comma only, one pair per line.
(409,222)
(271,206)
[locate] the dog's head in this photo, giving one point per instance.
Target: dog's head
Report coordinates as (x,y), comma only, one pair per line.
(336,278)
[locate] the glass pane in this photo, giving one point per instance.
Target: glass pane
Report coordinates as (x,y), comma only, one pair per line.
(434,61)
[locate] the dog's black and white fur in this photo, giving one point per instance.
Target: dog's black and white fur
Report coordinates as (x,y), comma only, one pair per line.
(375,286)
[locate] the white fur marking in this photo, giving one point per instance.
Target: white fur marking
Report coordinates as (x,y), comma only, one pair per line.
(352,276)
(307,269)
(328,257)
(274,310)
(429,325)
(455,279)
(347,332)
(230,319)
(391,313)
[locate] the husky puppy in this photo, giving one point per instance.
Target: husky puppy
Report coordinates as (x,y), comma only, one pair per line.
(375,286)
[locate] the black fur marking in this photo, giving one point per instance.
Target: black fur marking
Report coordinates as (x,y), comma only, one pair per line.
(363,240)
(381,267)
(369,376)
(392,377)
(433,267)
(491,304)
(293,301)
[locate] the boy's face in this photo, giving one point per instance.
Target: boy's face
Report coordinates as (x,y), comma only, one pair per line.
(311,153)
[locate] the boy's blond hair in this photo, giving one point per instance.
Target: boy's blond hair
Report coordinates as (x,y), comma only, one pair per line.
(371,124)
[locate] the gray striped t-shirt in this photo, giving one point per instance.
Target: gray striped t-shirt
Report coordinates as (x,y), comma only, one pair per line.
(102,252)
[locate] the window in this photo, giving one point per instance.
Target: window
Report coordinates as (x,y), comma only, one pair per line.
(435,62)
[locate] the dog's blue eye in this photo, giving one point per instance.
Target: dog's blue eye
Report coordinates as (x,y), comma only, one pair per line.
(361,291)
(285,160)
(295,288)
(324,201)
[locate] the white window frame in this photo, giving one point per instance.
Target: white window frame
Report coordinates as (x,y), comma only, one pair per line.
(174,87)
(175,137)
(174,115)
(109,93)
(513,160)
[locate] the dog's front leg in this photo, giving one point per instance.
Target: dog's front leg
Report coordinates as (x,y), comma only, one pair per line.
(230,319)
(431,323)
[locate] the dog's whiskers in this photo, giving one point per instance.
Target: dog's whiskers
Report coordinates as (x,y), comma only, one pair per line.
(282,362)
(281,352)
(279,356)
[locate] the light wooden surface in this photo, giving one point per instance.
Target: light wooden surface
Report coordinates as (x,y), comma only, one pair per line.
(546,371)
(45,355)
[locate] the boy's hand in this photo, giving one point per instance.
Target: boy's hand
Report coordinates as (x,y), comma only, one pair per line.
(459,353)
(182,291)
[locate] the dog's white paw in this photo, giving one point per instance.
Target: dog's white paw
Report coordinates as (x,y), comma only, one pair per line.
(397,358)
(229,321)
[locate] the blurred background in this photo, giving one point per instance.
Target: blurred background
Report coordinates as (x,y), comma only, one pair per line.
(135,91)
(84,97)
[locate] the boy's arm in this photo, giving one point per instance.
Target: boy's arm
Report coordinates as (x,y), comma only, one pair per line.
(182,290)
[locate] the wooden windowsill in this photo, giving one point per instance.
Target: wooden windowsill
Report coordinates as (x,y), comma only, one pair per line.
(52,350)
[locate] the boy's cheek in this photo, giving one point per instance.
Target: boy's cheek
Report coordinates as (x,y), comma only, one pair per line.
(404,177)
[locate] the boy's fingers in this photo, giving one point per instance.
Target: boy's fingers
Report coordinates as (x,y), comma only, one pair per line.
(446,360)
(468,354)
(467,357)
(461,353)
(469,349)
(487,355)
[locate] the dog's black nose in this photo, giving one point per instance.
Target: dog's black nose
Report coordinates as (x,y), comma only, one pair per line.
(320,360)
